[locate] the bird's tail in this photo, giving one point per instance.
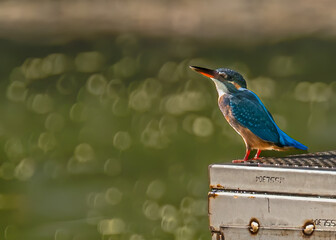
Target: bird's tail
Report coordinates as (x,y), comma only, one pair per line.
(290,142)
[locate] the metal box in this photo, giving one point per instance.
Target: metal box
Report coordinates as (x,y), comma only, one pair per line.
(274,198)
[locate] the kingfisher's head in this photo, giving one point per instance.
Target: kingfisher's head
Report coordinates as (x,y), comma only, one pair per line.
(226,80)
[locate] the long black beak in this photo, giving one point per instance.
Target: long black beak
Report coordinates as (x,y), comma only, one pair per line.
(204,71)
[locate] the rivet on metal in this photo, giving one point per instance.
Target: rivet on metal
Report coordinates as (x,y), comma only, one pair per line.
(254,226)
(308,228)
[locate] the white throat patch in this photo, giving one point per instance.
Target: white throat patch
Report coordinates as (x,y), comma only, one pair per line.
(221,88)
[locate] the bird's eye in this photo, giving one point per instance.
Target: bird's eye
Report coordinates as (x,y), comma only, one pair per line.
(224,75)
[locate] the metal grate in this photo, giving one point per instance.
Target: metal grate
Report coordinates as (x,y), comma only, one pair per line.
(319,160)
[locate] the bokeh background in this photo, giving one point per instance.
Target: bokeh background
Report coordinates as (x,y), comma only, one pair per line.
(105,133)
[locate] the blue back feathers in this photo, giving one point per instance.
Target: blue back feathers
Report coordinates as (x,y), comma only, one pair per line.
(251,113)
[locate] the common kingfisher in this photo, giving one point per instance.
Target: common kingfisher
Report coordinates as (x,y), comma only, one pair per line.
(245,112)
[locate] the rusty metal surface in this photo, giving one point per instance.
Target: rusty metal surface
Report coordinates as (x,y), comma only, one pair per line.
(271,234)
(274,198)
(231,214)
(273,179)
(324,160)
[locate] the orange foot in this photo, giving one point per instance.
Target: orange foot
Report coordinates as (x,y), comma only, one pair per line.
(257,155)
(245,158)
(239,161)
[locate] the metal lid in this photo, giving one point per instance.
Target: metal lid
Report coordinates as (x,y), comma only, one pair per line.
(306,174)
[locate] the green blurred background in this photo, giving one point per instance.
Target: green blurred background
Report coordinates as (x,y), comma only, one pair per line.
(106,133)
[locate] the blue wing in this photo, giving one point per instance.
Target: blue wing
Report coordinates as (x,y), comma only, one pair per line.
(250,112)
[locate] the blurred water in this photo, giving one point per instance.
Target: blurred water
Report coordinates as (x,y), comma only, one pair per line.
(111,139)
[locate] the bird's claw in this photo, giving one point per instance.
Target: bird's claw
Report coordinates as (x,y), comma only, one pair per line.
(239,161)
